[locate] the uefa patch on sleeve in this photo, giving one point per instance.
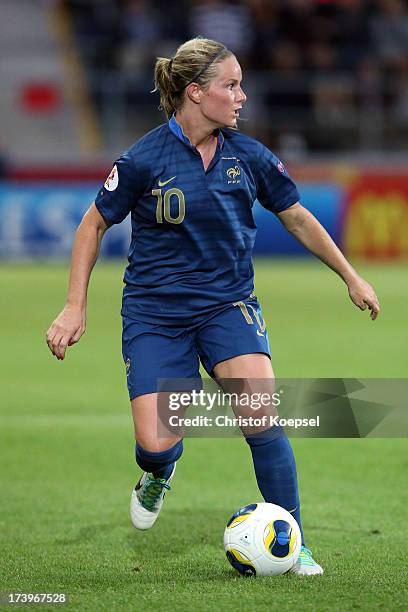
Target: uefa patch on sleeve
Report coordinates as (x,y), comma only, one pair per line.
(113,179)
(280,167)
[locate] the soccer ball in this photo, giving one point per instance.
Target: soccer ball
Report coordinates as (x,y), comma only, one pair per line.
(262,540)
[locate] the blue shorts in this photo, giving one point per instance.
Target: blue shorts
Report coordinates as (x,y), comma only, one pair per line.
(155,352)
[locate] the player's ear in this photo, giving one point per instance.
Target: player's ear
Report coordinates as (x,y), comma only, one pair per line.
(194,92)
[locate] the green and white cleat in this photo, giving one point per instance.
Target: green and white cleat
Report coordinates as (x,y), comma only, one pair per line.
(147,499)
(306,565)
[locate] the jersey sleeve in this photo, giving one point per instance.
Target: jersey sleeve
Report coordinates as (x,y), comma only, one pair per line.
(276,190)
(120,191)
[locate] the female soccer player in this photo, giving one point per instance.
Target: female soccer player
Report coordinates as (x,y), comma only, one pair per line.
(190,185)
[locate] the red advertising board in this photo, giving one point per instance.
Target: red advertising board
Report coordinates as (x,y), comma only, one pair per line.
(375,221)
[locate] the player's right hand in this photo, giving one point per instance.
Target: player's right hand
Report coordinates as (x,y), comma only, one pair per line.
(66,330)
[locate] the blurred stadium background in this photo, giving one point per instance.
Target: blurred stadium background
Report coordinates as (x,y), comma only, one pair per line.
(327,86)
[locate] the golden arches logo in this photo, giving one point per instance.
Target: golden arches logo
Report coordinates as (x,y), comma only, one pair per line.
(377,225)
(233,172)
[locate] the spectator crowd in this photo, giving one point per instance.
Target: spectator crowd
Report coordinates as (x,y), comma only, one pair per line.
(322,74)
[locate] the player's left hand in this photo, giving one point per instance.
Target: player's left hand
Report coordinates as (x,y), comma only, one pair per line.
(363,295)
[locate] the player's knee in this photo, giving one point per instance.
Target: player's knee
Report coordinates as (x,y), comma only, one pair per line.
(153,443)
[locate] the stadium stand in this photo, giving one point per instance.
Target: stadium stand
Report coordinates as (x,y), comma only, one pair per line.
(322,76)
(41,99)
(328,75)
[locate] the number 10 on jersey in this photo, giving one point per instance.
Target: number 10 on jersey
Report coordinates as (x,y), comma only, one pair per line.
(163,205)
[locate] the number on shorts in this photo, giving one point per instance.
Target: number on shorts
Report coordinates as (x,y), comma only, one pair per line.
(248,318)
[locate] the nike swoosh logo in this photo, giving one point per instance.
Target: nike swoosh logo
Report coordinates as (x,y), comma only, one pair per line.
(163,183)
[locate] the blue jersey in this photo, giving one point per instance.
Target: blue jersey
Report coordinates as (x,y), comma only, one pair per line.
(193,230)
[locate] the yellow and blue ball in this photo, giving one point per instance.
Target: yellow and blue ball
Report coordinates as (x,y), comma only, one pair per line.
(262,540)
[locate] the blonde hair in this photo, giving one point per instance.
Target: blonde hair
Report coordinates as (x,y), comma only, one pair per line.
(195,61)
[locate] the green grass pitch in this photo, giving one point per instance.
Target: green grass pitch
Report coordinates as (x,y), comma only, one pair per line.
(67,458)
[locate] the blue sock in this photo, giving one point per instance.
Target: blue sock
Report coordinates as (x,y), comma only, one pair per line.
(159,464)
(275,470)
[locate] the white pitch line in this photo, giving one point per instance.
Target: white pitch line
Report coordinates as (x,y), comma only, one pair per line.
(105,420)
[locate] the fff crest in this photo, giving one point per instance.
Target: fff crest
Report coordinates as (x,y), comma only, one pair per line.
(233,172)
